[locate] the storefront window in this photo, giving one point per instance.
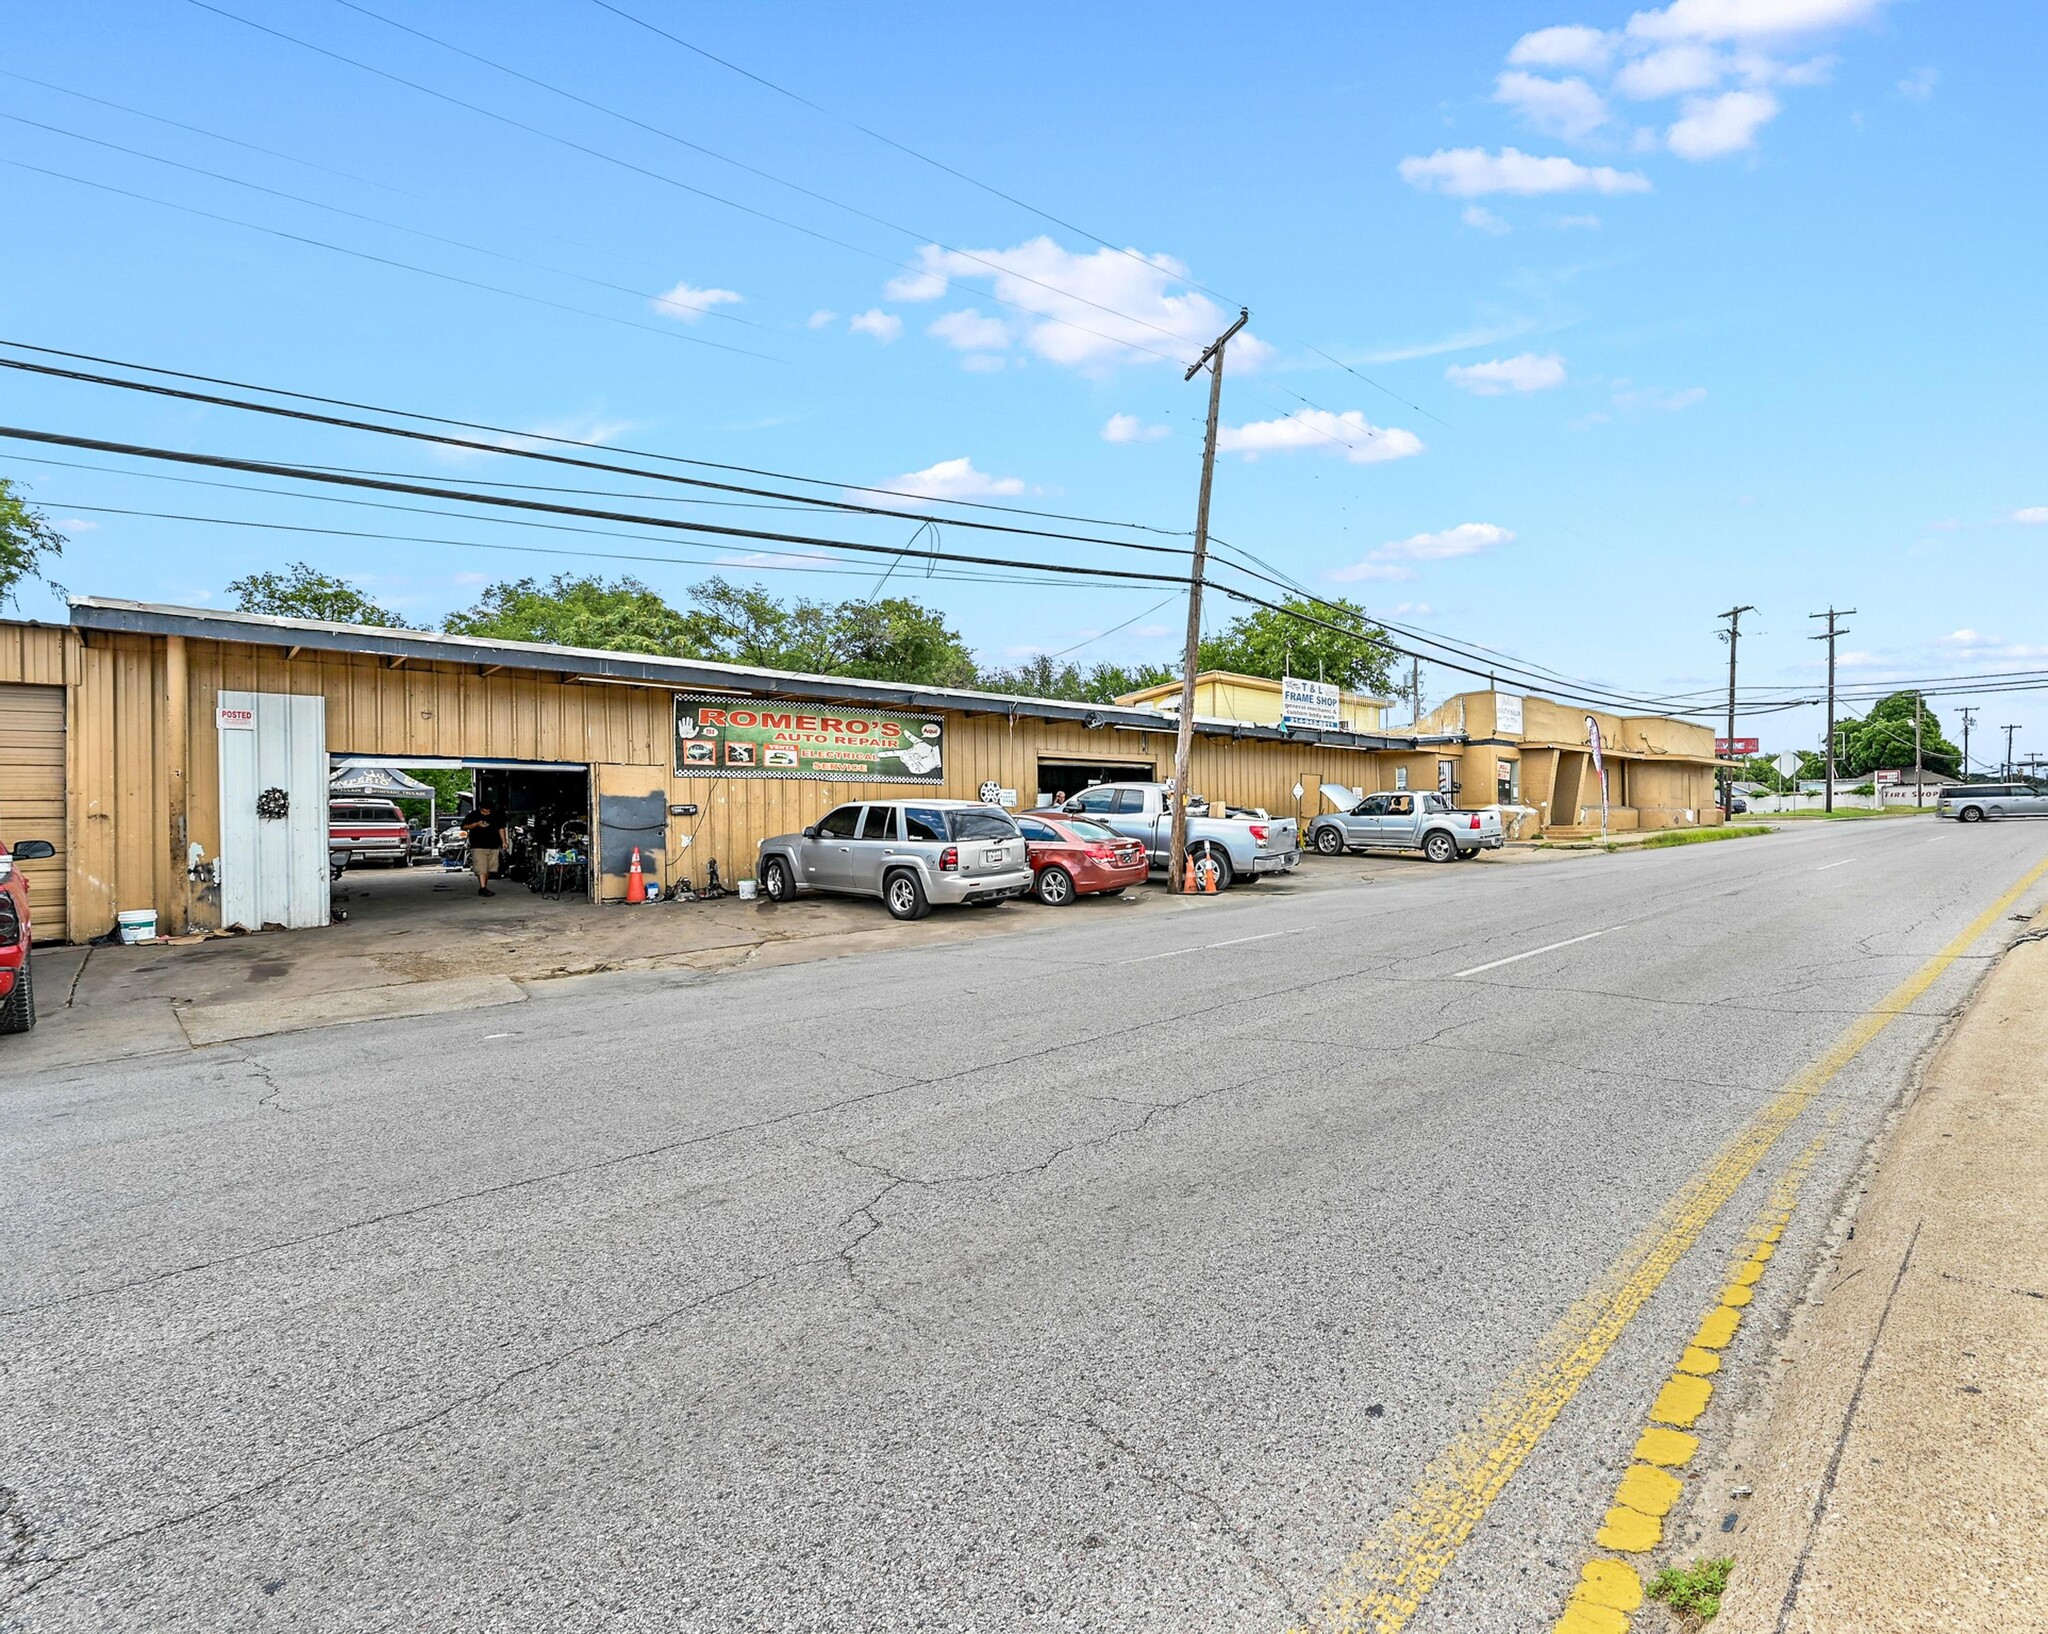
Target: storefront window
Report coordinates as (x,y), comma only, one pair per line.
(1508,782)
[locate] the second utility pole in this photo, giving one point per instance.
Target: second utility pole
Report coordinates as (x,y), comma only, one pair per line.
(1732,635)
(1831,615)
(1184,738)
(1963,772)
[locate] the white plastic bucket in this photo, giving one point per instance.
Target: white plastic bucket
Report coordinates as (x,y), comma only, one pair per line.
(137,924)
(747,890)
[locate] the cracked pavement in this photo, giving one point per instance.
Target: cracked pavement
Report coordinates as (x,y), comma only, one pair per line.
(990,1285)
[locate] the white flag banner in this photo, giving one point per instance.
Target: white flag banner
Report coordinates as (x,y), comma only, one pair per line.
(1600,768)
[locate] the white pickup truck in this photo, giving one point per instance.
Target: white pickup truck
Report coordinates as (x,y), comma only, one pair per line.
(1223,848)
(1406,821)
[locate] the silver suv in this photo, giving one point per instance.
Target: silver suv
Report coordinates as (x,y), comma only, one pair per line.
(910,853)
(1973,802)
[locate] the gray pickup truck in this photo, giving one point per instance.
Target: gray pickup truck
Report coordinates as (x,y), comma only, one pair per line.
(1223,848)
(1406,821)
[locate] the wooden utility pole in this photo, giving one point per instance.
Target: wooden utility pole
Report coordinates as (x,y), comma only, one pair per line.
(1184,739)
(1731,635)
(2007,773)
(1833,630)
(1916,751)
(1415,687)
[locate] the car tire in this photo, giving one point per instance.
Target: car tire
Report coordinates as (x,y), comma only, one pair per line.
(1970,814)
(18,1009)
(1330,842)
(903,895)
(1210,860)
(1439,847)
(1054,887)
(776,884)
(1467,856)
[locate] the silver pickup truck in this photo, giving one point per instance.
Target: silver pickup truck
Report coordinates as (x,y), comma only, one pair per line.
(1223,848)
(1406,821)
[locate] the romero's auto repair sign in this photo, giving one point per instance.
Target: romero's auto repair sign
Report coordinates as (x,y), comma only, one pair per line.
(754,737)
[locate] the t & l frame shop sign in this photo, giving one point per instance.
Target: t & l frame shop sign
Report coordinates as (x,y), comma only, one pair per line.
(754,737)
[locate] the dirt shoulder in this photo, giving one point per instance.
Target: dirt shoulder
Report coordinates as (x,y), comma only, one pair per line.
(1897,1466)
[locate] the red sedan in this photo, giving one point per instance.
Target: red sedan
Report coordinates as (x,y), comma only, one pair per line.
(1071,856)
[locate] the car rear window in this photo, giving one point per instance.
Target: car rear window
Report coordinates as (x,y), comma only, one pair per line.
(1091,831)
(921,823)
(987,824)
(364,814)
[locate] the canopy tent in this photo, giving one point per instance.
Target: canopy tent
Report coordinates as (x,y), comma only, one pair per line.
(383,783)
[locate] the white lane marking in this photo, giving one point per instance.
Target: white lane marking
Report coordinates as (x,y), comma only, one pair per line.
(1175,953)
(1824,867)
(1548,947)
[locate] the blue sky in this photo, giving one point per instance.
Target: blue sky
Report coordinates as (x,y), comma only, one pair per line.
(1651,312)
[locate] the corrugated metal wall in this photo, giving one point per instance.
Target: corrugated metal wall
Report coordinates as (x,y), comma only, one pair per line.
(123,789)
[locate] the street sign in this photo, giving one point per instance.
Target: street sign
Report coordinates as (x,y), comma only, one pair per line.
(1788,764)
(1735,746)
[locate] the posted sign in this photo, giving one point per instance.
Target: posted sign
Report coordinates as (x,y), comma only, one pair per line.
(1734,746)
(755,737)
(1307,703)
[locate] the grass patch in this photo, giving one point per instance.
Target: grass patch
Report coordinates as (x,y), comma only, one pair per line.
(1702,836)
(1695,1591)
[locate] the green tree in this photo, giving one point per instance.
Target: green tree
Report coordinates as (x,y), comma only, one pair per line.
(897,639)
(302,591)
(1272,643)
(27,542)
(1883,740)
(1044,677)
(891,639)
(622,615)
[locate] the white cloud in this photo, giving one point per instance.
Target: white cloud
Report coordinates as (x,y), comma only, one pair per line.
(1670,402)
(822,318)
(1466,173)
(1569,108)
(1349,433)
(1530,371)
(686,303)
(951,479)
(884,326)
(1390,572)
(75,524)
(1567,46)
(984,363)
(1464,341)
(1389,562)
(1466,539)
(1918,86)
(1720,125)
(1152,632)
(572,428)
(1746,19)
(1671,71)
(1091,311)
(1128,428)
(2034,514)
(1566,223)
(968,331)
(1481,219)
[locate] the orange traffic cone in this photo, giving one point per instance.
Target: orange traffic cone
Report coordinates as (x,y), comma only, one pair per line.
(1188,886)
(1209,879)
(636,882)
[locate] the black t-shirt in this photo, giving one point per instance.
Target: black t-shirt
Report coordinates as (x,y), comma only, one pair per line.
(485,832)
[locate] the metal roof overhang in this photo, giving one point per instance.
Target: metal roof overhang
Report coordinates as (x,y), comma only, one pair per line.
(639,669)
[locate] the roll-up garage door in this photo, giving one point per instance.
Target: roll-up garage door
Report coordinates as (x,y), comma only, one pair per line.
(32,793)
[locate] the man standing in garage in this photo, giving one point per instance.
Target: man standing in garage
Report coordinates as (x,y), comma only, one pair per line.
(486,833)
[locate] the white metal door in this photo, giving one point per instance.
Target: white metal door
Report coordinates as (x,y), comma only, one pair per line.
(273,810)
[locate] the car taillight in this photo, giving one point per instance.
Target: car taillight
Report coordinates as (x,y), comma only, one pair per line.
(1475,819)
(1101,851)
(949,860)
(1259,832)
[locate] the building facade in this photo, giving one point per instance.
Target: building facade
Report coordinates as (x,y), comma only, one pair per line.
(179,758)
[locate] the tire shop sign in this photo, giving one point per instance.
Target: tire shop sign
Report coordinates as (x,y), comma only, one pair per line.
(754,737)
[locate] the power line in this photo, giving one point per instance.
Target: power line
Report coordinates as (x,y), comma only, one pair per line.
(386,260)
(547,437)
(392,226)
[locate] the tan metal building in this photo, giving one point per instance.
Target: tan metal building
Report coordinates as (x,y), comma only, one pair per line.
(177,757)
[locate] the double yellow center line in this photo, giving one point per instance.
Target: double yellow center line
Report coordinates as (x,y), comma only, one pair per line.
(1379,1588)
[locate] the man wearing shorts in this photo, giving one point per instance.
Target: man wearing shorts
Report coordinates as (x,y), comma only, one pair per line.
(486,832)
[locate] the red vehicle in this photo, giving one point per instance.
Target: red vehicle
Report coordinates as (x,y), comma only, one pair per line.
(17,989)
(1071,856)
(369,830)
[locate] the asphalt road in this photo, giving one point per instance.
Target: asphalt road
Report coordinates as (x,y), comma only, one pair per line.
(1122,1277)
